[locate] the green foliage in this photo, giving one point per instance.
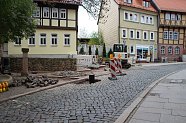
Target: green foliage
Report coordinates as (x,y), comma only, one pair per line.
(96,52)
(110,52)
(104,51)
(16,19)
(82,51)
(96,39)
(90,51)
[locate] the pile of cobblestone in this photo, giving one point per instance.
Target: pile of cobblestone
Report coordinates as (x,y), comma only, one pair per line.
(34,81)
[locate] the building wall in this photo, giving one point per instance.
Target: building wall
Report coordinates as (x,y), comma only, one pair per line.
(38,49)
(139,26)
(43,64)
(51,25)
(108,25)
(170,27)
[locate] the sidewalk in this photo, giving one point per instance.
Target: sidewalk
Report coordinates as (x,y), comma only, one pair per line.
(165,103)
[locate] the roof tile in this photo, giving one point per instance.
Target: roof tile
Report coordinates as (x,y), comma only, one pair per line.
(136,4)
(171,5)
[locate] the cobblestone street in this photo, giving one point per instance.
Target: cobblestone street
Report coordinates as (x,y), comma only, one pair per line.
(102,102)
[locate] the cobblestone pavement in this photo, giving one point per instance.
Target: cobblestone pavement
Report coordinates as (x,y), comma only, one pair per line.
(101,102)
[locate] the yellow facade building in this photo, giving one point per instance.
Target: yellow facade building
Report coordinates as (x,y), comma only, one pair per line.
(56,32)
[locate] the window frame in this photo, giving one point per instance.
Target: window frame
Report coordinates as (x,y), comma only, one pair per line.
(32,40)
(131,30)
(64,12)
(67,37)
(170,49)
(146,35)
(54,11)
(162,50)
(126,13)
(55,37)
(125,33)
(177,50)
(143,19)
(176,34)
(139,34)
(173,16)
(167,16)
(171,33)
(167,35)
(17,41)
(44,37)
(152,39)
(46,11)
(36,12)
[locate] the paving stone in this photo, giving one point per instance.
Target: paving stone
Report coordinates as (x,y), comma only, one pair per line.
(103,101)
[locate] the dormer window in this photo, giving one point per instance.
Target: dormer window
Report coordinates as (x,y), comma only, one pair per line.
(146,3)
(128,1)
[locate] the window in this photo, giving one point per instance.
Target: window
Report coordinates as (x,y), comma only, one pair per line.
(170,35)
(178,17)
(17,41)
(67,39)
(126,16)
(151,35)
(124,33)
(162,50)
(145,36)
(45,12)
(131,49)
(143,19)
(165,35)
(128,1)
(177,50)
(176,35)
(167,16)
(169,50)
(135,17)
(31,40)
(146,3)
(63,13)
(54,39)
(36,12)
(131,34)
(43,39)
(54,13)
(147,19)
(131,18)
(173,17)
(151,20)
(138,34)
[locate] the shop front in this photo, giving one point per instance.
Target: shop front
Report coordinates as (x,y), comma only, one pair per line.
(144,53)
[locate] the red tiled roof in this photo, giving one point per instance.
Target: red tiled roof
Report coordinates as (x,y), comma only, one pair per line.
(171,5)
(136,4)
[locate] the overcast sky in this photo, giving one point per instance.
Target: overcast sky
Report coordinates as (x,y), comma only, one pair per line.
(86,22)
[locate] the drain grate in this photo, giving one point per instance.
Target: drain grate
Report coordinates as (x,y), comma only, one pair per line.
(178,81)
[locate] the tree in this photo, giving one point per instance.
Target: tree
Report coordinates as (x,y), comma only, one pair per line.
(83,33)
(110,52)
(82,51)
(16,19)
(96,39)
(96,52)
(90,51)
(104,51)
(97,8)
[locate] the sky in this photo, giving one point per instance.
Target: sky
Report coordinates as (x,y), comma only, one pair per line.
(86,22)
